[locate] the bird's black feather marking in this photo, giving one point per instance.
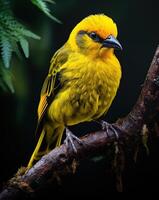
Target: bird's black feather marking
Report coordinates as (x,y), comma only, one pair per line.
(58,84)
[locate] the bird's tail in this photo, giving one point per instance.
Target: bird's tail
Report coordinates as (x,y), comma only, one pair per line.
(35,152)
(48,140)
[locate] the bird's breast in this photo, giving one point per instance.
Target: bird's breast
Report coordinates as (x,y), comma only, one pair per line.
(87,92)
(94,86)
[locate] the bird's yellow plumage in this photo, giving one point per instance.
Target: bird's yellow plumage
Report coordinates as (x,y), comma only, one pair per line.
(82,82)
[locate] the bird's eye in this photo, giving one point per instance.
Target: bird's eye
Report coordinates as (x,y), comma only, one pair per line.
(94,36)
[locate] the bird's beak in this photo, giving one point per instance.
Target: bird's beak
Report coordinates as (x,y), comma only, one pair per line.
(111,42)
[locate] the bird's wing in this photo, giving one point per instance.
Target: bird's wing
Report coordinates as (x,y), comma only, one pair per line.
(52,82)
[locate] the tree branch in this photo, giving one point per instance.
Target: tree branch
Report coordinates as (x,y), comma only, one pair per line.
(59,160)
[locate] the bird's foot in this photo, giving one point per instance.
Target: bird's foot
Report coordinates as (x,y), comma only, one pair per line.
(70,138)
(106,127)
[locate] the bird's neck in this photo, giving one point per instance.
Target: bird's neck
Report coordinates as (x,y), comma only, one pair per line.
(106,53)
(100,54)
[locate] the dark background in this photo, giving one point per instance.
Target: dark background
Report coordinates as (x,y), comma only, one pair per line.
(138,29)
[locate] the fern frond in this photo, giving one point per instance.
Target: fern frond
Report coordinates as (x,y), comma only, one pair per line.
(11,33)
(6,50)
(25,46)
(50,1)
(41,4)
(27,33)
(16,49)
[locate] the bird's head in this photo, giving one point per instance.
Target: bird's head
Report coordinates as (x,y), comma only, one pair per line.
(95,35)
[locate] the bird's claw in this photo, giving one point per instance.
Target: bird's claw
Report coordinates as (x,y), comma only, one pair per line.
(106,126)
(69,139)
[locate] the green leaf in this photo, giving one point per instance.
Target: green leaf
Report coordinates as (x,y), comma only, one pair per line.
(53,18)
(6,50)
(50,1)
(25,46)
(41,4)
(16,49)
(28,33)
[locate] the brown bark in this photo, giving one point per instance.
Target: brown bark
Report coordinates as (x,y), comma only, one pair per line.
(60,160)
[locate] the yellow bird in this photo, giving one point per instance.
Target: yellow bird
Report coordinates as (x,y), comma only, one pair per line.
(81,84)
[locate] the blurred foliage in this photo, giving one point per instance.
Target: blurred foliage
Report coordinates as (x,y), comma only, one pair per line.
(6,80)
(13,37)
(41,4)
